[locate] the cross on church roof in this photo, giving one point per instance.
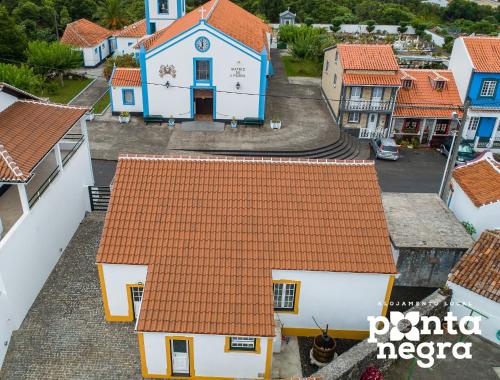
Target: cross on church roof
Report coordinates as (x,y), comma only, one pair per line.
(202,11)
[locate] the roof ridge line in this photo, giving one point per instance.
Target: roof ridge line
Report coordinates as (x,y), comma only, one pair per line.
(274,160)
(13,166)
(211,11)
(67,106)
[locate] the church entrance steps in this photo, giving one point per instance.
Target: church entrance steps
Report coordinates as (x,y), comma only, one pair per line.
(202,126)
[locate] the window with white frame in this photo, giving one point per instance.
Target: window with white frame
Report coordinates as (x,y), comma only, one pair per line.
(488,88)
(242,343)
(137,292)
(334,80)
(284,296)
(473,123)
(353,117)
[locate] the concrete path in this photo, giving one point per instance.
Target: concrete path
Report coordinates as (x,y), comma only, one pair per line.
(286,364)
(91,94)
(64,335)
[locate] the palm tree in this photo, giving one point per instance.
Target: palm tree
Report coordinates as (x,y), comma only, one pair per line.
(112,13)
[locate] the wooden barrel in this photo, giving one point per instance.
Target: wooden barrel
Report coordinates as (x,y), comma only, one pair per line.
(324,349)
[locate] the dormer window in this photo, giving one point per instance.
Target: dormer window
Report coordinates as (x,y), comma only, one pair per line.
(407,83)
(439,84)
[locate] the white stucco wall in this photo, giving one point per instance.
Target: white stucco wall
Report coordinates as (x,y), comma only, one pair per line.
(91,56)
(491,309)
(482,218)
(116,278)
(32,247)
(226,54)
(341,300)
(124,45)
(461,66)
(6,100)
(209,357)
(117,96)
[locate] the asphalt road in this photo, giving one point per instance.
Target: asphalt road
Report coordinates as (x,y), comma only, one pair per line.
(104,171)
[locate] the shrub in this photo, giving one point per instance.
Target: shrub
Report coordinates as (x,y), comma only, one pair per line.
(21,77)
(471,230)
(126,60)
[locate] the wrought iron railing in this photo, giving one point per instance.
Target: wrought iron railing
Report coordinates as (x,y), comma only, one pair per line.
(367,105)
(38,193)
(76,139)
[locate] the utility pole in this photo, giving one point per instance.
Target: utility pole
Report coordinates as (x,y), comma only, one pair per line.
(452,155)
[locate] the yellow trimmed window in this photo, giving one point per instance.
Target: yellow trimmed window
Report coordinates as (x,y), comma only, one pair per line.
(286,296)
(242,344)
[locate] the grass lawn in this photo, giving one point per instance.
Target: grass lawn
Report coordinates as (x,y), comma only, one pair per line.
(63,94)
(295,67)
(101,104)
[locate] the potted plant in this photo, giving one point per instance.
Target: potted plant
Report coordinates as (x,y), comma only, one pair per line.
(171,121)
(275,123)
(124,117)
(234,123)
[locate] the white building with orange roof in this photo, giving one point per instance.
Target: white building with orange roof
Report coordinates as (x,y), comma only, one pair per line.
(220,257)
(127,38)
(425,107)
(45,171)
(475,193)
(211,64)
(360,84)
(94,41)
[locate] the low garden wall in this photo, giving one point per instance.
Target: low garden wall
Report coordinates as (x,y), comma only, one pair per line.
(351,364)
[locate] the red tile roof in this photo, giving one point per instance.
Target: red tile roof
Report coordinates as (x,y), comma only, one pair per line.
(222,15)
(484,53)
(125,76)
(371,79)
(137,29)
(209,226)
(422,100)
(28,131)
(479,269)
(480,180)
(367,57)
(84,33)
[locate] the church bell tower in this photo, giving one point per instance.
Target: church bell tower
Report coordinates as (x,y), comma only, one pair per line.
(162,13)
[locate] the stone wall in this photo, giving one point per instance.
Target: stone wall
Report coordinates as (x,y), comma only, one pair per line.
(352,363)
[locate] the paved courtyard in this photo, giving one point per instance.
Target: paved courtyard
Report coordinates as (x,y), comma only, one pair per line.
(64,335)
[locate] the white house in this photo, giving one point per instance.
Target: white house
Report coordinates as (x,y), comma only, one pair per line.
(211,64)
(127,38)
(125,91)
(45,170)
(94,41)
(214,259)
(475,193)
(474,282)
(287,17)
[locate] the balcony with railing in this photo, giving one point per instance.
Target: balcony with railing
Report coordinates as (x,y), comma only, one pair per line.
(367,105)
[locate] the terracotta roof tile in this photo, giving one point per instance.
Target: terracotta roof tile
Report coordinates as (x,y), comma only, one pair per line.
(137,29)
(367,57)
(484,53)
(28,131)
(480,180)
(479,269)
(208,226)
(84,33)
(422,100)
(371,79)
(222,15)
(124,76)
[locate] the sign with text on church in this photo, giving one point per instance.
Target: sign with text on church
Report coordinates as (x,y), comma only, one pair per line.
(238,71)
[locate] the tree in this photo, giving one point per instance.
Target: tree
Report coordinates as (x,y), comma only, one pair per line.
(126,60)
(52,58)
(370,26)
(112,14)
(309,21)
(13,39)
(402,28)
(21,77)
(271,9)
(64,18)
(336,22)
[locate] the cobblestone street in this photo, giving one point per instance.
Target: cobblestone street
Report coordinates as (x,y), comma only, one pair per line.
(65,335)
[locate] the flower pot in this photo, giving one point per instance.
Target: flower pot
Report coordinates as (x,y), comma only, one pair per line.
(234,124)
(124,119)
(276,124)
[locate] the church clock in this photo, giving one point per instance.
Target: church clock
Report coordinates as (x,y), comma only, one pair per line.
(202,44)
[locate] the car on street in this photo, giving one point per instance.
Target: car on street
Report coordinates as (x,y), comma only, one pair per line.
(385,149)
(465,150)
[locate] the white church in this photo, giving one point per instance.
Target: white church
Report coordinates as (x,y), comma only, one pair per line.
(209,64)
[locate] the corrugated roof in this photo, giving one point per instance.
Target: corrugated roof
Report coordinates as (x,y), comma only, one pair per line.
(222,15)
(371,79)
(480,180)
(484,53)
(137,29)
(367,57)
(422,100)
(28,131)
(84,33)
(125,76)
(479,269)
(207,227)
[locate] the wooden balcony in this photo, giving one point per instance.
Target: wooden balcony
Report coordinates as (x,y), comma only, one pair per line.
(367,105)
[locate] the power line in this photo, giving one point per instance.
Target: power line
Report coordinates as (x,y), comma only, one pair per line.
(405,104)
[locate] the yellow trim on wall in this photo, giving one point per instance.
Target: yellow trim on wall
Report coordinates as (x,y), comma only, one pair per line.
(297,296)
(189,340)
(104,293)
(343,334)
(388,292)
(129,287)
(227,347)
(269,358)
